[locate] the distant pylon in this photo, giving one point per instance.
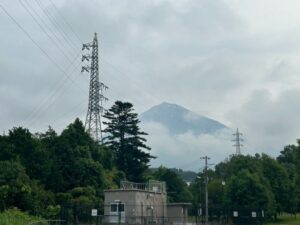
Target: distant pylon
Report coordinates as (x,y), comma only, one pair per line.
(96,98)
(237,141)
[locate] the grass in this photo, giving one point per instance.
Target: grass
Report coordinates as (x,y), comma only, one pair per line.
(286,220)
(15,217)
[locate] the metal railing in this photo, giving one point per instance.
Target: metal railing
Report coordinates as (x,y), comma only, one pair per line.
(152,185)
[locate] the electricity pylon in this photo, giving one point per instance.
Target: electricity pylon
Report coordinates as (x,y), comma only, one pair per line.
(237,141)
(96,97)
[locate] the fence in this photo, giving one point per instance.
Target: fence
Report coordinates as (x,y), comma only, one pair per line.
(131,215)
(242,216)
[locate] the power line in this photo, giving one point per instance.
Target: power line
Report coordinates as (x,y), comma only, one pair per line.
(39,108)
(39,47)
(72,110)
(66,22)
(56,24)
(49,27)
(50,101)
(44,30)
(132,81)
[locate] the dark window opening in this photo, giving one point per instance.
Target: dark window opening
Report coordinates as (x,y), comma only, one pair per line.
(113,208)
(116,207)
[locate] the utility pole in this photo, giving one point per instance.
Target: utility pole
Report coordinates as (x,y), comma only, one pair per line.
(237,141)
(96,97)
(206,187)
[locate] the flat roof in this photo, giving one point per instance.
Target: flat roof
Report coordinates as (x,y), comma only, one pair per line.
(133,190)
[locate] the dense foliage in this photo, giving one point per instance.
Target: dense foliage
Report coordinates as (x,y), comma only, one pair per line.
(40,171)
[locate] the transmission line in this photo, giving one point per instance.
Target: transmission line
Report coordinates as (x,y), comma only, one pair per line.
(72,110)
(56,24)
(66,22)
(44,30)
(39,47)
(32,8)
(51,100)
(40,107)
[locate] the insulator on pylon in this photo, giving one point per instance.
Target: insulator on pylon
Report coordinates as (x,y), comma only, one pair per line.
(86,46)
(85,69)
(85,58)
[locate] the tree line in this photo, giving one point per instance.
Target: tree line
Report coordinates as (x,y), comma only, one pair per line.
(257,182)
(40,172)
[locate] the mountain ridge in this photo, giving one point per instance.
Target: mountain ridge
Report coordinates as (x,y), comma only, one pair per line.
(179,119)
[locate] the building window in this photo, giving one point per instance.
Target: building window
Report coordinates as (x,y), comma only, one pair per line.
(117,207)
(121,208)
(113,208)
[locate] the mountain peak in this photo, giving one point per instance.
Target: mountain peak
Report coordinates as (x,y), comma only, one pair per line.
(168,106)
(180,120)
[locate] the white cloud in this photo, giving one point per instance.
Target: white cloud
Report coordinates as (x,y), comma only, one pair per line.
(184,150)
(269,123)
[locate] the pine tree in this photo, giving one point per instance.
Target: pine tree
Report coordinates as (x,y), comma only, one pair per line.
(126,140)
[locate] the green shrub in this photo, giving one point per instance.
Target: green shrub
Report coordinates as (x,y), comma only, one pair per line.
(16,217)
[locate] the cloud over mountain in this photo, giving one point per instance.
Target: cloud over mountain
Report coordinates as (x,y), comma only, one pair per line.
(179,120)
(179,137)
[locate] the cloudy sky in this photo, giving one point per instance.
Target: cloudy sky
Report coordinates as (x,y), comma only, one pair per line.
(234,61)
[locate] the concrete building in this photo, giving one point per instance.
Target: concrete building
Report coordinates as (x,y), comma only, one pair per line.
(136,203)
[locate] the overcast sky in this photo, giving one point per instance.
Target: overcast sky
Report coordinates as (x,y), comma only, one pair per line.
(235,61)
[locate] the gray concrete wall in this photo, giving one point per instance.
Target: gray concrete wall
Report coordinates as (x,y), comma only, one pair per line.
(177,213)
(139,205)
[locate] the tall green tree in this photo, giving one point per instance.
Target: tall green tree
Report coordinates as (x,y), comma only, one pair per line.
(289,158)
(249,191)
(277,177)
(125,138)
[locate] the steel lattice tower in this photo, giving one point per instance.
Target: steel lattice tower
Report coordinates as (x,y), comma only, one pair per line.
(237,141)
(96,98)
